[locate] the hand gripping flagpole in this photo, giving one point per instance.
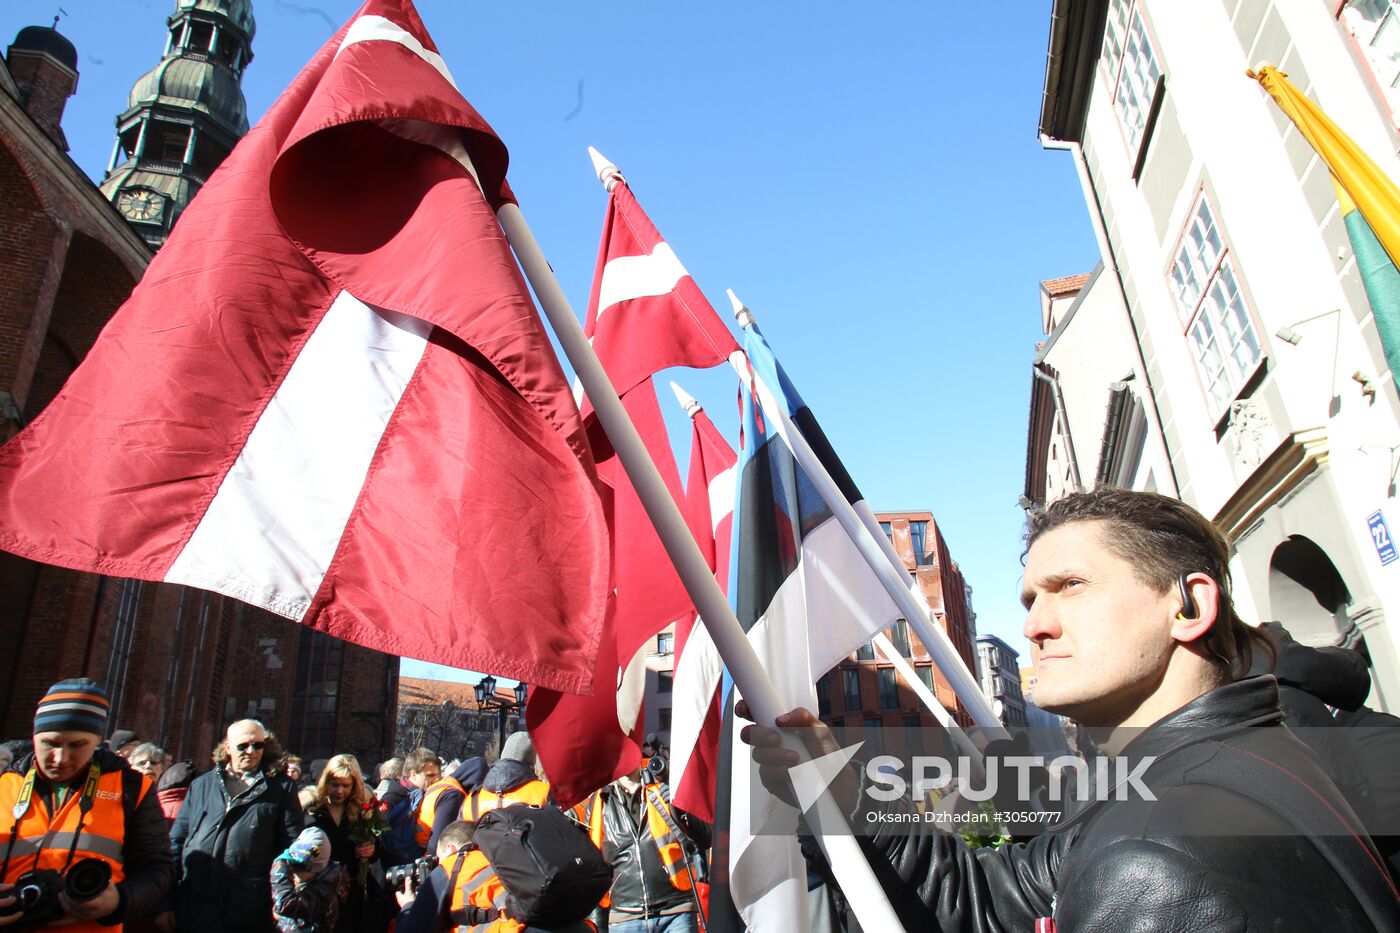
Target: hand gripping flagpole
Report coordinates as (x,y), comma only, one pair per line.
(842,851)
(877,550)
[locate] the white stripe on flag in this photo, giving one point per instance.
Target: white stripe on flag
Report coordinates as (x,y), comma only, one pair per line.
(629,277)
(827,607)
(270,532)
(697,677)
(721,490)
(371,28)
(846,604)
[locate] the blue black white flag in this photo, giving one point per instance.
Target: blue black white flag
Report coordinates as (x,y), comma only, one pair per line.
(806,598)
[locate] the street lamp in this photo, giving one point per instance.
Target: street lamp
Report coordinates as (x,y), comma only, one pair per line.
(486,699)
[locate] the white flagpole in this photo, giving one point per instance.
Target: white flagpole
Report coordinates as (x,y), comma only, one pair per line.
(880,640)
(879,554)
(842,851)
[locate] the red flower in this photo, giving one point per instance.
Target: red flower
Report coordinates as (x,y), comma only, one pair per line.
(367,806)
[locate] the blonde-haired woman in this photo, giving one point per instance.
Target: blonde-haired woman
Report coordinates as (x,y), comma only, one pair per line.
(342,800)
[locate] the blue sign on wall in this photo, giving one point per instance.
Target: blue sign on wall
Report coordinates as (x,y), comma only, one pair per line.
(1380,534)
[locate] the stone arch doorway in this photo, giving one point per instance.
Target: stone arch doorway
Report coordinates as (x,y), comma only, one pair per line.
(1307,594)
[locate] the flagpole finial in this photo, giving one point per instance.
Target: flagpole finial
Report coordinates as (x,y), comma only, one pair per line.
(608,173)
(688,402)
(743,315)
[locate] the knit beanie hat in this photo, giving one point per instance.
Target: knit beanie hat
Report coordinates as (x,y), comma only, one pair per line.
(76,705)
(311,851)
(519,747)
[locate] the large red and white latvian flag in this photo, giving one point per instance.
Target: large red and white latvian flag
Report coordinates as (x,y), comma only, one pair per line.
(695,697)
(645,314)
(331,396)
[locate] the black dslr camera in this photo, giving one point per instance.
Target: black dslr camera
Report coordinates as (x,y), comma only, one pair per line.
(36,892)
(409,878)
(655,770)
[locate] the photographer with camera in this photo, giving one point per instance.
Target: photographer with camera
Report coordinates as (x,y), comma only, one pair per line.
(650,845)
(87,844)
(458,888)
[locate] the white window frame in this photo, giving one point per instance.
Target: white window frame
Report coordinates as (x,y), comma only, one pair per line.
(1216,319)
(1373,23)
(1134,70)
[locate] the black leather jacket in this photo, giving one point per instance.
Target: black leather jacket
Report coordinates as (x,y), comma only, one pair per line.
(641,884)
(1130,865)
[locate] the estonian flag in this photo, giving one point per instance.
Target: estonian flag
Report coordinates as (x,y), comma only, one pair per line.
(806,598)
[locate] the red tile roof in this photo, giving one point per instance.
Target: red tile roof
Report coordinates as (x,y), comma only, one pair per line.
(421,691)
(1066,285)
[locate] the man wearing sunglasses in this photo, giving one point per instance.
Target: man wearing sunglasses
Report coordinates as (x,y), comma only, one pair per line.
(234,822)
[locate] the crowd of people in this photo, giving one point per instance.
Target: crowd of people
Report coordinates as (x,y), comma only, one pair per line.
(258,843)
(1134,635)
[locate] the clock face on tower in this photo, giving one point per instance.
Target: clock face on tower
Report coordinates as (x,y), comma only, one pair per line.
(141,204)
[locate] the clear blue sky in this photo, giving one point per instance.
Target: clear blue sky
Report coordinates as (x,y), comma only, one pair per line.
(868,180)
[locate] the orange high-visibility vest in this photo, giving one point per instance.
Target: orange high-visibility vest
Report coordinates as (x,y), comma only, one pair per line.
(38,839)
(474,884)
(427,810)
(535,793)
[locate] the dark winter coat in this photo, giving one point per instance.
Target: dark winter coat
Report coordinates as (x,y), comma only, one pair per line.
(1310,680)
(1201,857)
(224,849)
(366,908)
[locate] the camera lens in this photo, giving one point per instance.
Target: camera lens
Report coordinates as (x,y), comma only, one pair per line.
(86,879)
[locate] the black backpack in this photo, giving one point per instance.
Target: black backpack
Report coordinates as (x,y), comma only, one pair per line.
(552,872)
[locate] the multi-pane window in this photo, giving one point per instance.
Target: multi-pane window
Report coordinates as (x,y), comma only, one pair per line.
(926,675)
(874,737)
(1376,26)
(918,534)
(665,643)
(823,698)
(900,633)
(1132,68)
(913,739)
(664,679)
(850,679)
(889,689)
(888,529)
(1218,325)
(314,694)
(865,652)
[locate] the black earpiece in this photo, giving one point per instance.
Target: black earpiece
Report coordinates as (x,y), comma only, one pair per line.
(1188,605)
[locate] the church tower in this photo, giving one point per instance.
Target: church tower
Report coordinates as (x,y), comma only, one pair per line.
(183,117)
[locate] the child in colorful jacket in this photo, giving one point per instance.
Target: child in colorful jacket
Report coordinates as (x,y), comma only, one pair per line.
(307,887)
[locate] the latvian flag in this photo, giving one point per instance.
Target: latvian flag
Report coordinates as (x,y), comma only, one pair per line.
(331,396)
(645,314)
(695,699)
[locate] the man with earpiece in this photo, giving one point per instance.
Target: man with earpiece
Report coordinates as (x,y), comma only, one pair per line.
(1227,821)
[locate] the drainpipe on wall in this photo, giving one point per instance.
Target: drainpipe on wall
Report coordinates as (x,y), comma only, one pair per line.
(1058,398)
